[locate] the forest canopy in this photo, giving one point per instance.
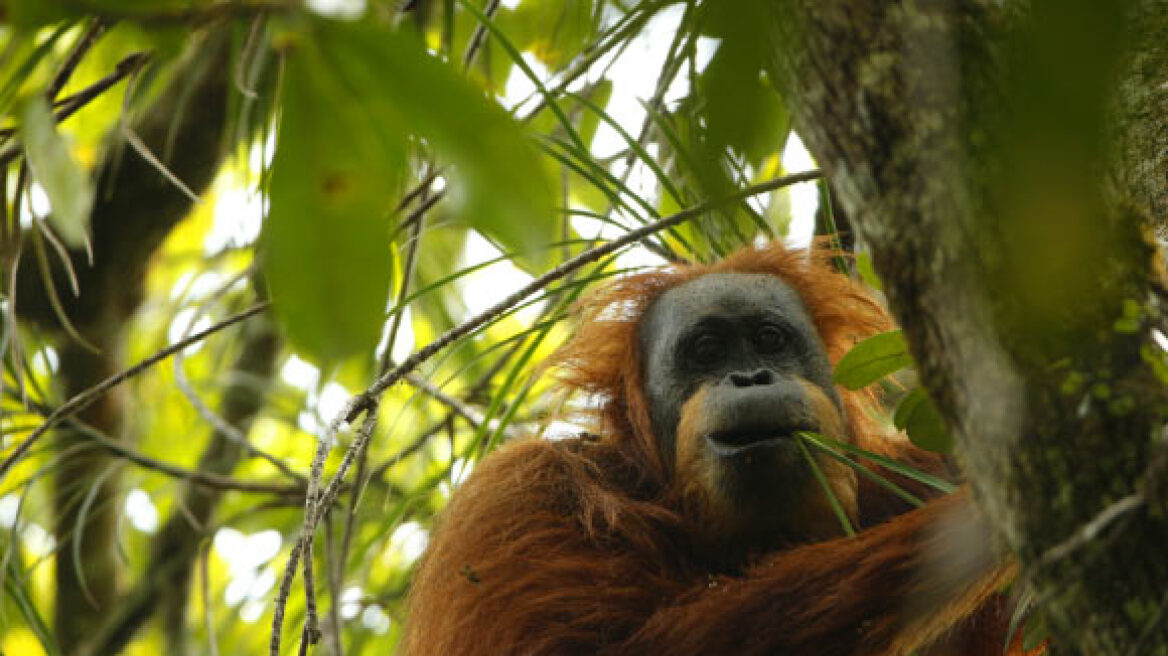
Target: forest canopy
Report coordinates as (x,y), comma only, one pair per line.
(276,275)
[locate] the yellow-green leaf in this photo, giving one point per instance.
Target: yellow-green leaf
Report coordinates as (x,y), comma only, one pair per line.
(326,239)
(872,359)
(64,181)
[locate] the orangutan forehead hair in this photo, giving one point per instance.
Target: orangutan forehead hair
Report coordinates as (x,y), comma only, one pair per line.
(597,359)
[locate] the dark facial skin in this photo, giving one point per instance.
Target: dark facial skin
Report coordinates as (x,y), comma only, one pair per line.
(734,369)
(748,339)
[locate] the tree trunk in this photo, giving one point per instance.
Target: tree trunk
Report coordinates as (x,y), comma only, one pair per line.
(963,140)
(135,209)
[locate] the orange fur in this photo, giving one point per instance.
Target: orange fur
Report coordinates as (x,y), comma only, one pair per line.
(583,546)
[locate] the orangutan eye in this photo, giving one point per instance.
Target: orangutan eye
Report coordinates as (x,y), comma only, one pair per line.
(707,348)
(769,339)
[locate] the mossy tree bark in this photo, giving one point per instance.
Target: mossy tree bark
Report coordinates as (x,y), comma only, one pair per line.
(966,141)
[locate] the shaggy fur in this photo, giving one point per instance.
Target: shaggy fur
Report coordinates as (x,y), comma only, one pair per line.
(582,546)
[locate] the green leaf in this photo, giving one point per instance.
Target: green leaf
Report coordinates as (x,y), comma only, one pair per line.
(599,94)
(16,586)
(918,416)
(498,183)
(65,182)
(908,471)
(554,32)
(32,14)
(867,272)
(836,506)
(872,359)
(326,245)
(817,441)
(742,108)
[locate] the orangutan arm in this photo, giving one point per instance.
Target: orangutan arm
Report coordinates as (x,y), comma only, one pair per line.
(515,568)
(892,589)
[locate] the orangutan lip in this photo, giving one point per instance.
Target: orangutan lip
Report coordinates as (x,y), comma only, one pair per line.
(741,441)
(732,444)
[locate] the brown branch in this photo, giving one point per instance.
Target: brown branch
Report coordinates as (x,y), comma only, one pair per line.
(69,106)
(96,29)
(193,476)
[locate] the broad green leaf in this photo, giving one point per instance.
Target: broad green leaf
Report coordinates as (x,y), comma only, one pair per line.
(742,108)
(498,183)
(65,182)
(918,416)
(326,242)
(872,359)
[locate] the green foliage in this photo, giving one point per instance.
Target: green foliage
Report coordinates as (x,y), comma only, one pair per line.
(375,88)
(329,202)
(917,415)
(885,354)
(872,359)
(64,181)
(867,272)
(336,131)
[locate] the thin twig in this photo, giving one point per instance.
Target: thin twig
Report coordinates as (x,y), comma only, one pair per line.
(193,476)
(231,433)
(245,54)
(312,512)
(66,107)
(145,153)
(1091,530)
(205,589)
(420,211)
(589,57)
(46,271)
(479,36)
(457,406)
(310,635)
(334,566)
(422,186)
(225,429)
(83,399)
(282,597)
(337,572)
(96,28)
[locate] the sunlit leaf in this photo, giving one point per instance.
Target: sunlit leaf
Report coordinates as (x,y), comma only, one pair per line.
(556,31)
(16,587)
(872,359)
(918,416)
(326,240)
(65,182)
(599,94)
(498,183)
(867,272)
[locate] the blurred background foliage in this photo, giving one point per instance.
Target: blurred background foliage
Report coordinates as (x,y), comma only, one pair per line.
(383,172)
